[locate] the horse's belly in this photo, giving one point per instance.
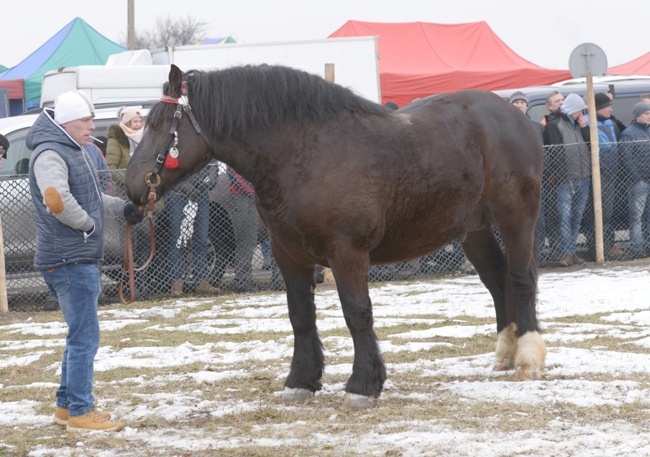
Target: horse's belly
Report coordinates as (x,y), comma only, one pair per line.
(412,244)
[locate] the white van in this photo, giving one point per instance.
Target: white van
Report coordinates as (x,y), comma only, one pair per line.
(106,84)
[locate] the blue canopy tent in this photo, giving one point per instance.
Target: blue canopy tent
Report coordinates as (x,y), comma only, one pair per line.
(75,44)
(220,40)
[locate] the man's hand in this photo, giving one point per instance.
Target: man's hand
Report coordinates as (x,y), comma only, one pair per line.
(133,214)
(582,120)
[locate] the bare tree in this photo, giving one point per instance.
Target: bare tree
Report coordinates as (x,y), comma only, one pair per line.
(170,31)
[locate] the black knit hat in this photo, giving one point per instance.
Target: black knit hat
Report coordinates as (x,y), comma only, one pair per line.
(602,101)
(4,142)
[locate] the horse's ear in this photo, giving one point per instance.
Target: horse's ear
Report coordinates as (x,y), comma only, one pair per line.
(175,81)
(184,88)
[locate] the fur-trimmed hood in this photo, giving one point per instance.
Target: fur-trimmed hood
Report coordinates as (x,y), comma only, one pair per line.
(116,132)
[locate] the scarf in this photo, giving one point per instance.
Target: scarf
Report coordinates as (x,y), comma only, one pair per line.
(134,137)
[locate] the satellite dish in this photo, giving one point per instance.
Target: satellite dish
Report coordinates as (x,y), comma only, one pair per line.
(587,57)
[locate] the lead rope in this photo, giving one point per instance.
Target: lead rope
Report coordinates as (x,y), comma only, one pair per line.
(153,180)
(127,260)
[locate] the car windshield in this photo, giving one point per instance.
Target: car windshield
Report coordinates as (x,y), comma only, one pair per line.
(17,160)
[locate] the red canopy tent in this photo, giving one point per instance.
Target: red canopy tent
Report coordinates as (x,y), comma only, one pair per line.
(418,59)
(638,66)
(16,88)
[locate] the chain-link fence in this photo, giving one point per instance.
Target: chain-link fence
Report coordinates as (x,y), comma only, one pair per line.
(208,234)
(566,223)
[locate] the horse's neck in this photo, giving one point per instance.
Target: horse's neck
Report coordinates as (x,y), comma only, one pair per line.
(250,161)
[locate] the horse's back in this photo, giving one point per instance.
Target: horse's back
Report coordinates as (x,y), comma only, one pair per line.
(484,125)
(476,154)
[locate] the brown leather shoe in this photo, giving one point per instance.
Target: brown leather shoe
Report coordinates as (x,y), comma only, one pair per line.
(204,287)
(61,415)
(177,287)
(565,261)
(578,260)
(93,420)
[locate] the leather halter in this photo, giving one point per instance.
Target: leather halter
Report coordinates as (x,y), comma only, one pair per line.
(181,105)
(153,179)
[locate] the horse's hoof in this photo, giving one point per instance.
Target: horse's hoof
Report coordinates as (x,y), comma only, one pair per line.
(532,373)
(529,360)
(356,401)
(503,365)
(296,395)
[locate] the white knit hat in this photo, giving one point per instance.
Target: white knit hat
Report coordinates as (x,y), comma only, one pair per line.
(572,104)
(72,105)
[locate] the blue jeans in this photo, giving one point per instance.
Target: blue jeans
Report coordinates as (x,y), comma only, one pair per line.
(639,226)
(77,287)
(265,247)
(175,204)
(572,199)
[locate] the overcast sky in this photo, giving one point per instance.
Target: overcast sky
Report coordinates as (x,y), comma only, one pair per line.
(543,32)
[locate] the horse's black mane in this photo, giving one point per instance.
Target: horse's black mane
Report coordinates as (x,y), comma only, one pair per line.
(239,98)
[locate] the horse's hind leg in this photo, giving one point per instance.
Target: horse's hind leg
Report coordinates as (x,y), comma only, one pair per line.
(483,250)
(308,362)
(519,239)
(350,269)
(512,282)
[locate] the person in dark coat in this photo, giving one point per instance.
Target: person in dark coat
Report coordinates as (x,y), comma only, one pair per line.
(635,154)
(570,159)
(4,147)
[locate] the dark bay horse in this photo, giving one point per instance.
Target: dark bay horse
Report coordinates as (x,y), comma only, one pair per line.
(344,182)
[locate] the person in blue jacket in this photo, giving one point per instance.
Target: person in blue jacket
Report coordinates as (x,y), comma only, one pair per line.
(69,208)
(608,137)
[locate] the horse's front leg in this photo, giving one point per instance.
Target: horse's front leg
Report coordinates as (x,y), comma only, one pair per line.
(308,360)
(364,386)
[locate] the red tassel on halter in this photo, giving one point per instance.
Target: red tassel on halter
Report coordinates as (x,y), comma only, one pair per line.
(171,161)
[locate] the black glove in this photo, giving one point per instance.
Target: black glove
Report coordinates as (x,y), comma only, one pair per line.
(133,214)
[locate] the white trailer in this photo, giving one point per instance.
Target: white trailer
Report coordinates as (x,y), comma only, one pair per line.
(137,76)
(355,59)
(106,83)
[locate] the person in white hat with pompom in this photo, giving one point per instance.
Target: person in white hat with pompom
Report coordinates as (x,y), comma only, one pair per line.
(124,137)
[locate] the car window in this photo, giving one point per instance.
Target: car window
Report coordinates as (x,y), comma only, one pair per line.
(17,161)
(622,108)
(537,112)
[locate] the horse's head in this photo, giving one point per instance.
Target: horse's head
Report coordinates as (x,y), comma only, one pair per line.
(173,145)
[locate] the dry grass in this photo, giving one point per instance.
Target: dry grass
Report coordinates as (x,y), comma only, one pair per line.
(243,415)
